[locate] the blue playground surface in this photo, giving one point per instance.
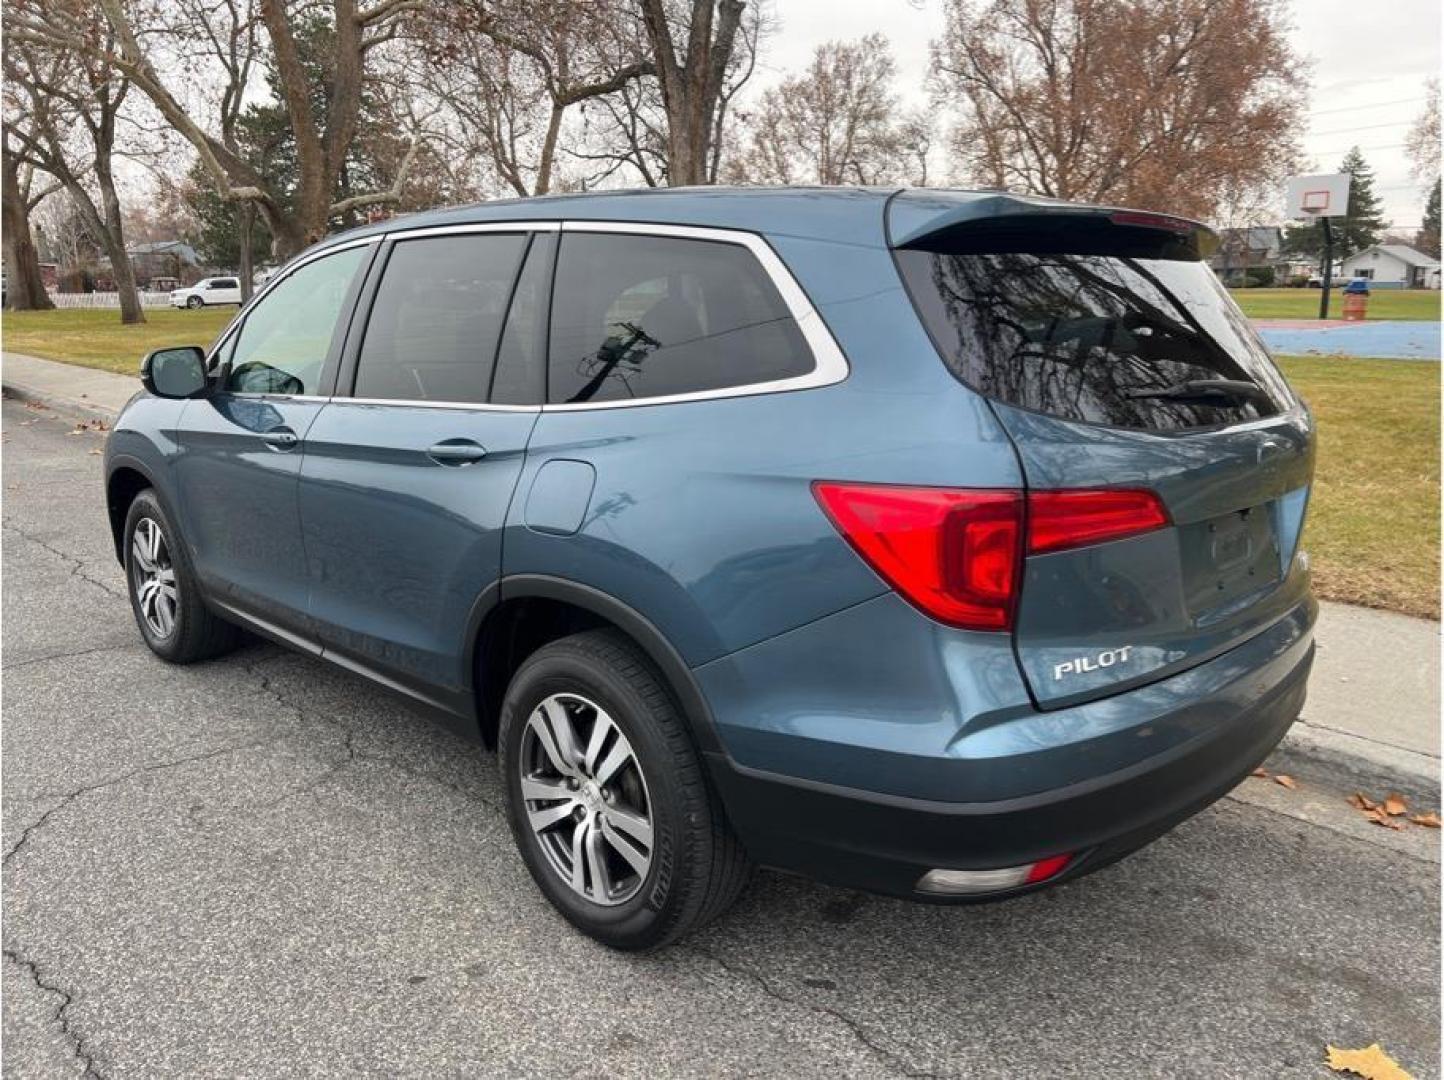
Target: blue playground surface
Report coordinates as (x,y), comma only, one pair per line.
(1396,340)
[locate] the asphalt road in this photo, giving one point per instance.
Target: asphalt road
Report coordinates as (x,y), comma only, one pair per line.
(261,866)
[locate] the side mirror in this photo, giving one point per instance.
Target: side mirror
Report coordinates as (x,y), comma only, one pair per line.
(178,372)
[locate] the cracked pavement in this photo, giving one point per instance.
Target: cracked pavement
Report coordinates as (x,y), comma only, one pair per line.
(263,866)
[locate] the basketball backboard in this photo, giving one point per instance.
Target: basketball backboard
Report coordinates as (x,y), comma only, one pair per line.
(1324,195)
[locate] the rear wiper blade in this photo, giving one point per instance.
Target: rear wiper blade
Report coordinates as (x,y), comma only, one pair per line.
(1203,390)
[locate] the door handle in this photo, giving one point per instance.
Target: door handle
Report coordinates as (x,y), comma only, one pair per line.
(456,452)
(281,438)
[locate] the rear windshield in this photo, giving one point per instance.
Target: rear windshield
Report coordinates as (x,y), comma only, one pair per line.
(1127,342)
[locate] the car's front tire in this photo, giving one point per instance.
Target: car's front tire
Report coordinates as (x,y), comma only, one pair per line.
(606,798)
(194,302)
(164,595)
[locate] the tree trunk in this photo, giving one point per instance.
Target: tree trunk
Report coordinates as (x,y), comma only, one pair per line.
(246,212)
(113,235)
(131,312)
(24,287)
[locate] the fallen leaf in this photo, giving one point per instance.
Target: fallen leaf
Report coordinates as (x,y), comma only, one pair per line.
(1429,820)
(1395,805)
(97,451)
(1378,817)
(1260,771)
(1286,781)
(1371,1063)
(1359,801)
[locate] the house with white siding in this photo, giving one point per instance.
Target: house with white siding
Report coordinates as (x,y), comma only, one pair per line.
(1393,266)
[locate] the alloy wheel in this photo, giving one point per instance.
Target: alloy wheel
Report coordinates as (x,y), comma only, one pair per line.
(156,595)
(586,799)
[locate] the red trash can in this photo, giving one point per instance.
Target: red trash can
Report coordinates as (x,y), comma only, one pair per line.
(1355,306)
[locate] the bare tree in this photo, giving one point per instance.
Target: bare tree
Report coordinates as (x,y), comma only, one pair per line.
(1159,105)
(510,72)
(65,105)
(837,122)
(324,125)
(24,286)
(1422,143)
(691,76)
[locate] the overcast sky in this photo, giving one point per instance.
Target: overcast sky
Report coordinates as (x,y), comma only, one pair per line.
(1370,60)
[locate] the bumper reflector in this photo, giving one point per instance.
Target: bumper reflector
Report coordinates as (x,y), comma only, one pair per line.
(973,882)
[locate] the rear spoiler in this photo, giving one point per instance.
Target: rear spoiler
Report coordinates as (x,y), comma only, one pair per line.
(958,222)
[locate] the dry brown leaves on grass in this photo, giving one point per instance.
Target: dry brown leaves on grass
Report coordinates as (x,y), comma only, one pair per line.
(1371,1063)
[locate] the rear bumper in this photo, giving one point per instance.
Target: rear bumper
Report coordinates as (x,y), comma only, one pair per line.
(884,841)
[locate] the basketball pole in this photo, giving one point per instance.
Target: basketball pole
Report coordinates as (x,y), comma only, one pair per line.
(1328,268)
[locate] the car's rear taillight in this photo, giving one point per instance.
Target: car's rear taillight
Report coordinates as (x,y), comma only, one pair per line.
(1067,519)
(956,553)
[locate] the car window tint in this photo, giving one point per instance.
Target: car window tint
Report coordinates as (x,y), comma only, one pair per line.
(1098,338)
(283,343)
(434,325)
(519,378)
(646,316)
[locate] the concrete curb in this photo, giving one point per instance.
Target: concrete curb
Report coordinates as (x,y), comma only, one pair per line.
(1338,759)
(87,410)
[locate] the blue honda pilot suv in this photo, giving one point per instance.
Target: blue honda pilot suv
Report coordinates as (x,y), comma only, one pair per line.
(939,543)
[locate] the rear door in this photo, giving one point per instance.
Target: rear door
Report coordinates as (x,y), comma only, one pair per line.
(1115,360)
(410,469)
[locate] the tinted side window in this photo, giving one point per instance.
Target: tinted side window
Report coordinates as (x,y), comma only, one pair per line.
(434,325)
(646,316)
(283,343)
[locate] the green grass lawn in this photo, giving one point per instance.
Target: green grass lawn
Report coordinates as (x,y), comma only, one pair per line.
(1373,524)
(1414,304)
(1373,527)
(96,338)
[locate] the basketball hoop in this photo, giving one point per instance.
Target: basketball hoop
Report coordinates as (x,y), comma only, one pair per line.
(1314,203)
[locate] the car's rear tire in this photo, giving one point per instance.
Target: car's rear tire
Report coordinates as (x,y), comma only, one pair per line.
(194,302)
(164,595)
(620,830)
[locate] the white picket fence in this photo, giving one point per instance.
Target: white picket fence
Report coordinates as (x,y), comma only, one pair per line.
(105,299)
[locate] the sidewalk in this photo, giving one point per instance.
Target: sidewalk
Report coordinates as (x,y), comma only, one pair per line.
(66,386)
(1373,707)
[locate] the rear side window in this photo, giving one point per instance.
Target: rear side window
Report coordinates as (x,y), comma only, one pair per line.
(649,316)
(1148,343)
(437,318)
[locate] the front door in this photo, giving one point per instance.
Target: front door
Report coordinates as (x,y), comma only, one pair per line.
(242,447)
(405,486)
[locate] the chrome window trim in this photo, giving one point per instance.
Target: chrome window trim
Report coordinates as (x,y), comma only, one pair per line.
(829,363)
(470,406)
(475,227)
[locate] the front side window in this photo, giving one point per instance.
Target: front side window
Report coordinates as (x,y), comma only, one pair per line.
(283,343)
(1148,343)
(649,316)
(438,313)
